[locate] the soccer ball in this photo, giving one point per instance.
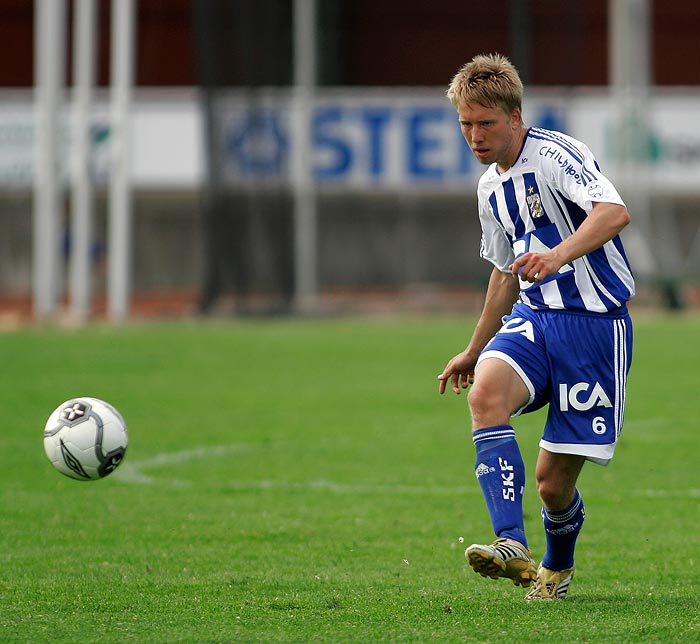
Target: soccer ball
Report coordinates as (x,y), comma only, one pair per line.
(85,438)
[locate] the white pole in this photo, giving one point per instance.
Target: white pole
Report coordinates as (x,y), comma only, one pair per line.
(630,78)
(305,215)
(630,70)
(119,226)
(49,74)
(82,192)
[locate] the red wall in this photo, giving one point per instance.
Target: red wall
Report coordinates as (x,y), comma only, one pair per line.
(396,42)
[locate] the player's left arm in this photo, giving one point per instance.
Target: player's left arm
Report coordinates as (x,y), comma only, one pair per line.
(601,225)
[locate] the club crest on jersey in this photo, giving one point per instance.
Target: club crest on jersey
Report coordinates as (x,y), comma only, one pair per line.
(534,203)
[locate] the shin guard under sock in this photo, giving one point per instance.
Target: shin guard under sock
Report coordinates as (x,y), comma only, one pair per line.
(501,473)
(561,530)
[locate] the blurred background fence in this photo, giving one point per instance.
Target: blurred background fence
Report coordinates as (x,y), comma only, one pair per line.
(230,139)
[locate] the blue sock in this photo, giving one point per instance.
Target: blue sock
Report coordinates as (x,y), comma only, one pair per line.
(501,474)
(561,530)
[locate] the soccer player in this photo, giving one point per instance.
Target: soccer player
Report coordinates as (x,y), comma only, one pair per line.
(554,328)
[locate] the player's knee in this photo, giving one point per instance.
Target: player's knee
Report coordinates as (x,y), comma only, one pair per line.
(485,403)
(554,497)
(547,492)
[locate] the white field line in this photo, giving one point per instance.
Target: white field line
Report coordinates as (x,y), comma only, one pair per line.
(132,471)
(135,472)
(324,485)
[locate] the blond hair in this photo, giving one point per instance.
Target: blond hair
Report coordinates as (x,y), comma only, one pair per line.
(490,80)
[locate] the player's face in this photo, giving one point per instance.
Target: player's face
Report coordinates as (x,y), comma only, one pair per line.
(492,135)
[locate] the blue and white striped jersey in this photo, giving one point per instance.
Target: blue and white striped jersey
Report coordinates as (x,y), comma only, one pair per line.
(536,204)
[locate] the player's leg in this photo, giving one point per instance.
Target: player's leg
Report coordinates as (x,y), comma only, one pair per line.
(497,393)
(556,476)
(563,514)
(584,422)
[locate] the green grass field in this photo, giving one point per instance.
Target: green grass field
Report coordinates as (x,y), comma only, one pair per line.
(302,481)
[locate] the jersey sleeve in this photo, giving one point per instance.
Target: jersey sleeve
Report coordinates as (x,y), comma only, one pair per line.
(578,176)
(495,244)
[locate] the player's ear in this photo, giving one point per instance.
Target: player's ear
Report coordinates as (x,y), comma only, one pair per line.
(516,117)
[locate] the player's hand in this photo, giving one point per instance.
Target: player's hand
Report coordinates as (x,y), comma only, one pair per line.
(534,267)
(459,371)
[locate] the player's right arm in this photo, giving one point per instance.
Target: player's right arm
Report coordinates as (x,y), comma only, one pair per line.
(501,294)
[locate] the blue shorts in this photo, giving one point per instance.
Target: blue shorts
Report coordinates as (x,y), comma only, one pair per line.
(578,364)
